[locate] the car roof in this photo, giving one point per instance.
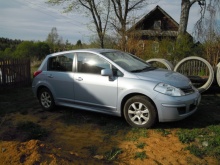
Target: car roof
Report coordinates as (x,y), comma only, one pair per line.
(95,50)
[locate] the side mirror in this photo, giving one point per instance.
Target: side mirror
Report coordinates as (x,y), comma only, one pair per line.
(107,72)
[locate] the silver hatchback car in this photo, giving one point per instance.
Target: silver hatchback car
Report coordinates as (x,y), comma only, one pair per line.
(116,83)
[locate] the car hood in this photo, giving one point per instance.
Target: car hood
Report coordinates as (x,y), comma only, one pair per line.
(162,75)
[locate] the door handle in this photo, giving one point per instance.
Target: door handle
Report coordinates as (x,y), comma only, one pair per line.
(79,78)
(50,76)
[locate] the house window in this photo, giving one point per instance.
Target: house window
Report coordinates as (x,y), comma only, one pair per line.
(155,47)
(141,44)
(170,49)
(157,25)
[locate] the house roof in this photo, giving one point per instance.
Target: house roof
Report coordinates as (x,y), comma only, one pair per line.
(149,16)
(145,26)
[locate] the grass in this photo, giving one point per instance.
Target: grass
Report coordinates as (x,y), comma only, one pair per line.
(187,136)
(164,132)
(136,133)
(195,150)
(140,155)
(112,155)
(141,145)
(203,141)
(200,132)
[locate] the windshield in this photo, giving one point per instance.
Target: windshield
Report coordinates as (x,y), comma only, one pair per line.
(127,61)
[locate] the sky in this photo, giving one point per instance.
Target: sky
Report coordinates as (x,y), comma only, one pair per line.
(33,20)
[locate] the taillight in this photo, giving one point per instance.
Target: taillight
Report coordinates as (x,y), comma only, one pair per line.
(37,73)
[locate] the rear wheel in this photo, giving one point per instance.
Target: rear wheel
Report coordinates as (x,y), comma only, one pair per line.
(139,112)
(46,99)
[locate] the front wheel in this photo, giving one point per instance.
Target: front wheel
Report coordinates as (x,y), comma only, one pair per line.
(46,99)
(139,112)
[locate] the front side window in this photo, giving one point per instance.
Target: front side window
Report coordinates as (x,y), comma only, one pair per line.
(91,63)
(62,63)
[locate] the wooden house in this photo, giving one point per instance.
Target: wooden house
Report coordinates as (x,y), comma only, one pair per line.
(156,25)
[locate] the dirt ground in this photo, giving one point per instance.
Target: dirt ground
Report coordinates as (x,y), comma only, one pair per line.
(84,142)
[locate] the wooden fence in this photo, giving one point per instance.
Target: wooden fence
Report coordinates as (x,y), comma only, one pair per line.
(196,71)
(189,68)
(194,68)
(14,73)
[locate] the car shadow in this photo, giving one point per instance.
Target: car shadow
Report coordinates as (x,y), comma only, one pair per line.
(208,113)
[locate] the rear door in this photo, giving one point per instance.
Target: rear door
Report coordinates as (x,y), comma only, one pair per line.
(60,76)
(92,90)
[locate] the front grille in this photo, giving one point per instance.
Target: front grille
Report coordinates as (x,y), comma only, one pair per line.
(188,90)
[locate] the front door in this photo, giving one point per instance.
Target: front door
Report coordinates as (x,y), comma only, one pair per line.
(91,89)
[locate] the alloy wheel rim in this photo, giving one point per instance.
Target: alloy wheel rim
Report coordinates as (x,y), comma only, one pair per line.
(138,113)
(46,99)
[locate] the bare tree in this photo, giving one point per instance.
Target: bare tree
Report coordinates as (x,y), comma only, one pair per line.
(98,10)
(208,31)
(207,27)
(185,8)
(121,10)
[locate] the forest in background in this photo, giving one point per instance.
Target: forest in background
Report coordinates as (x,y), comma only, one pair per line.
(206,29)
(170,50)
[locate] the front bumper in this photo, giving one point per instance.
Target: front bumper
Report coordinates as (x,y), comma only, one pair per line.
(176,108)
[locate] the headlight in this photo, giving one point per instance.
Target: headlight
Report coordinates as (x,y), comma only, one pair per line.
(168,90)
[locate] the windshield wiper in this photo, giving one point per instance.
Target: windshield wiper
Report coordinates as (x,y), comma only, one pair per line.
(144,69)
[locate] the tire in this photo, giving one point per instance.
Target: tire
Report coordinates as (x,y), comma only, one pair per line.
(46,99)
(139,112)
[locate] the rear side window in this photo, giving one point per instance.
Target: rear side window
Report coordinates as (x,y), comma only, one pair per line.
(91,63)
(62,63)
